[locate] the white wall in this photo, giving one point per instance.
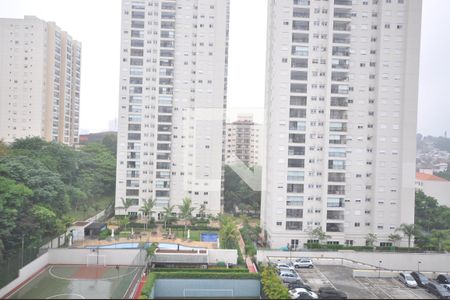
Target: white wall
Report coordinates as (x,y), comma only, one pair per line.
(437,189)
(78,256)
(431,262)
(224,255)
(25,273)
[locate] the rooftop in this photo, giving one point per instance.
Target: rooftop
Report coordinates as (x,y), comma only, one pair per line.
(429,177)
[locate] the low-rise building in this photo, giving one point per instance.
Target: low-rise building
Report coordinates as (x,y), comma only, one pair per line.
(434,186)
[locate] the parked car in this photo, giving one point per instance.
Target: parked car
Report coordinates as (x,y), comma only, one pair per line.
(447,286)
(407,279)
(301,285)
(443,279)
(438,290)
(289,277)
(328,292)
(303,263)
(300,293)
(284,266)
(421,279)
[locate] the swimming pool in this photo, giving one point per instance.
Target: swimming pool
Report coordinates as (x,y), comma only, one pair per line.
(209,237)
(165,246)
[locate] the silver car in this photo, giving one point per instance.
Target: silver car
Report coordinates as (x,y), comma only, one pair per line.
(289,277)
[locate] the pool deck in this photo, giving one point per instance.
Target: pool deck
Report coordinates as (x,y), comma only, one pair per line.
(145,237)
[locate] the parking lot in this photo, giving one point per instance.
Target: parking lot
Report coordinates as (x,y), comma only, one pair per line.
(359,288)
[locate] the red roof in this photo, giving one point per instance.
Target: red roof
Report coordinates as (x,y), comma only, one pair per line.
(429,177)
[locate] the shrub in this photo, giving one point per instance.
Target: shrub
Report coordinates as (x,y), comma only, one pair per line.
(148,285)
(272,286)
(192,270)
(104,234)
(208,275)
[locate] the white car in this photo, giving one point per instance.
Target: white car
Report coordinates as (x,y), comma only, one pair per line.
(303,263)
(280,266)
(407,279)
(300,293)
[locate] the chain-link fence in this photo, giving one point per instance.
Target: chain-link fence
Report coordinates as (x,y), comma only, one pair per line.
(14,261)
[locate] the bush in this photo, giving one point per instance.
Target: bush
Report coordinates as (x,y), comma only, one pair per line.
(272,286)
(210,270)
(208,275)
(240,260)
(148,286)
(198,227)
(250,248)
(104,234)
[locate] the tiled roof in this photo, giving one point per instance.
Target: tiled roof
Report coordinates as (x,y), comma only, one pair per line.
(429,177)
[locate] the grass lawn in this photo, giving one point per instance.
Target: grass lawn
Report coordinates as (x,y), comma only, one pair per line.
(195,234)
(100,204)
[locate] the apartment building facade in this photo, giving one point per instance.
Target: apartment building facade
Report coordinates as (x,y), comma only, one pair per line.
(243,141)
(340,110)
(174,57)
(40,73)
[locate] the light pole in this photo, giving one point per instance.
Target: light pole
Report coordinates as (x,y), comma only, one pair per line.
(23,246)
(379,268)
(418,266)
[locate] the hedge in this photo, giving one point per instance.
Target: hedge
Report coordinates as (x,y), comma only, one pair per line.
(359,248)
(213,270)
(208,228)
(148,286)
(208,275)
(272,286)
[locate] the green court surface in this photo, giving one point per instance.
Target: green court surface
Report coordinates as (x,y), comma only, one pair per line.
(79,282)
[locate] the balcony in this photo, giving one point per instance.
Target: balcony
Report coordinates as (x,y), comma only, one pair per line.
(339,101)
(340,38)
(299,75)
(300,25)
(341,26)
(341,51)
(342,13)
(300,12)
(336,177)
(300,37)
(343,2)
(301,2)
(336,190)
(294,213)
(296,151)
(335,215)
(335,227)
(339,76)
(335,202)
(338,114)
(299,63)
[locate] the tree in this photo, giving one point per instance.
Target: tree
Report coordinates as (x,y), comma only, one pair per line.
(110,141)
(409,230)
(186,210)
(438,237)
(228,233)
(371,238)
(394,238)
(147,209)
(124,221)
(201,211)
(318,234)
(126,204)
(168,215)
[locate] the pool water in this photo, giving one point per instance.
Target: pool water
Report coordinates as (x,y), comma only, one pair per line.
(164,246)
(209,237)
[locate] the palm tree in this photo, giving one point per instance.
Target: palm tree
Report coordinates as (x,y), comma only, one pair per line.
(126,204)
(186,210)
(168,215)
(201,211)
(394,238)
(228,233)
(409,230)
(147,210)
(371,238)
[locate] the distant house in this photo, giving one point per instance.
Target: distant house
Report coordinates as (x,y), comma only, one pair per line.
(434,186)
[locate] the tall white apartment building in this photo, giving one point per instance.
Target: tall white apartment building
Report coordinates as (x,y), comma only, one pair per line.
(243,141)
(173,76)
(39,81)
(341,109)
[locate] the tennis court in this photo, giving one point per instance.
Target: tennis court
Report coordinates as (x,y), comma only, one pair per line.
(80,282)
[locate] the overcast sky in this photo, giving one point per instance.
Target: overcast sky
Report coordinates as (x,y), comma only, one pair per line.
(96,23)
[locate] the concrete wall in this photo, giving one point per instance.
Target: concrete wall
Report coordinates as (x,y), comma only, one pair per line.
(25,273)
(432,262)
(207,288)
(79,256)
(228,256)
(437,189)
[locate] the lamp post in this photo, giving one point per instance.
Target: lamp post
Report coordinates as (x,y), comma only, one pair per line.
(418,266)
(379,268)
